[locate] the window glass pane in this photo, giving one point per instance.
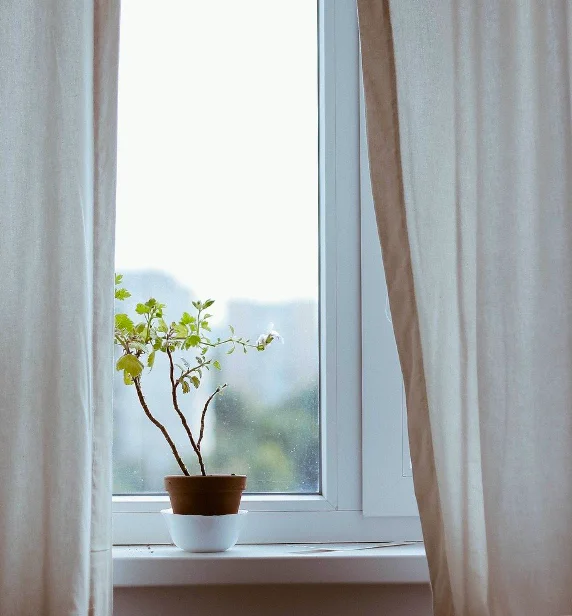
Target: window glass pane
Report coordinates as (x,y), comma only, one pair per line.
(218,198)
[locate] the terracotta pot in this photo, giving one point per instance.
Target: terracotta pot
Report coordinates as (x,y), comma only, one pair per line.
(205,495)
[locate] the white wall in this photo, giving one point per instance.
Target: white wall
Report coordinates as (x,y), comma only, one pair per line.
(275,600)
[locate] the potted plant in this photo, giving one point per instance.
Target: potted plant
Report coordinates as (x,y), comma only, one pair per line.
(189,350)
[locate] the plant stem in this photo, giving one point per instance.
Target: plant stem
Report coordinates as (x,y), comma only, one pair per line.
(217,391)
(187,372)
(148,319)
(179,412)
(123,343)
(159,425)
(220,343)
(244,344)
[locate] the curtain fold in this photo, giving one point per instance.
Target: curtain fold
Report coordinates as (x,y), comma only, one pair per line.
(470,143)
(380,85)
(58,90)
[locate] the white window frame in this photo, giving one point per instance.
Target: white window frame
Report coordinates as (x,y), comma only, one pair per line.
(353,506)
(387,476)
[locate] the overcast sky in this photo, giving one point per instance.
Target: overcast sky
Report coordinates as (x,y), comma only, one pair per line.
(217,164)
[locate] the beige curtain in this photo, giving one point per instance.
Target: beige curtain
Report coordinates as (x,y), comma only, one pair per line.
(470,143)
(58,82)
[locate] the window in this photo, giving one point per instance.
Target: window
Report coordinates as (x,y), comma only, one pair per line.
(218,151)
(275,85)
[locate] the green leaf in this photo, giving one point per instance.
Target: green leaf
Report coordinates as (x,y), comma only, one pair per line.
(197,305)
(130,364)
(127,378)
(216,364)
(196,381)
(231,351)
(187,319)
(122,321)
(142,309)
(140,328)
(185,386)
(205,325)
(151,359)
(193,340)
(118,278)
(208,303)
(180,330)
(122,294)
(231,329)
(162,327)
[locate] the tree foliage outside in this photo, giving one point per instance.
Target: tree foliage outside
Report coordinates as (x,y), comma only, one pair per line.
(277,448)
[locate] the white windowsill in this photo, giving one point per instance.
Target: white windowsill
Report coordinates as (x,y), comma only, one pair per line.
(360,563)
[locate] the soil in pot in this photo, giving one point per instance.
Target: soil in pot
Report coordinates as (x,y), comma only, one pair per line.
(205,495)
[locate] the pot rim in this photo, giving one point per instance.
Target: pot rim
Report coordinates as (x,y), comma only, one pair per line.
(208,476)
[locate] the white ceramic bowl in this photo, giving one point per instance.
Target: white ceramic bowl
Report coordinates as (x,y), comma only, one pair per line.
(204,533)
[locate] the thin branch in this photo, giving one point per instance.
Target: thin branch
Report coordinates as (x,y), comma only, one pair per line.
(159,425)
(243,343)
(217,391)
(179,412)
(203,342)
(186,373)
(124,344)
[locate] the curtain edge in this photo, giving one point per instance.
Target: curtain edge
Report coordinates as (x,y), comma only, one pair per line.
(382,121)
(105,90)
